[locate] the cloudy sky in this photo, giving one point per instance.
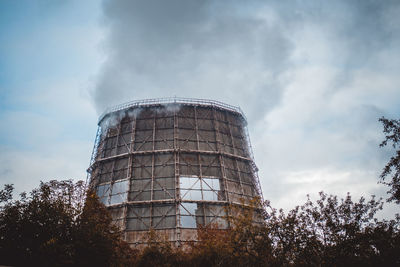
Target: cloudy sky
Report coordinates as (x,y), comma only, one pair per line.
(313,77)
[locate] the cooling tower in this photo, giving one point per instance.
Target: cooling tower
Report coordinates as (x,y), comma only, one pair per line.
(172,165)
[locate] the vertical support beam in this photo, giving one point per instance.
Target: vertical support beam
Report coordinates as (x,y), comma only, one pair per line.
(152,170)
(177,186)
(196,129)
(230,134)
(132,147)
(240,177)
(130,171)
(198,149)
(221,161)
(235,152)
(154,130)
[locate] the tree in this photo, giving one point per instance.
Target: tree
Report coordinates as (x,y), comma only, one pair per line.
(36,228)
(159,252)
(57,226)
(333,232)
(391,128)
(96,241)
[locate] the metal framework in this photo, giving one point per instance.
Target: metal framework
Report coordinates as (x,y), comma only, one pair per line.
(171,165)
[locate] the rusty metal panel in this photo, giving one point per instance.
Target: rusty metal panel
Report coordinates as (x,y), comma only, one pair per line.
(234,119)
(186,123)
(220,115)
(106,169)
(110,146)
(147,113)
(204,112)
(224,127)
(164,139)
(210,165)
(215,215)
(189,164)
(235,197)
(164,122)
(140,190)
(164,188)
(186,111)
(234,187)
(205,124)
(187,139)
(226,143)
(145,124)
(237,131)
(143,140)
(248,190)
(120,169)
(138,217)
(126,127)
(163,216)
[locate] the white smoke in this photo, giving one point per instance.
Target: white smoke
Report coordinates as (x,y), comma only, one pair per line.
(172,108)
(134,112)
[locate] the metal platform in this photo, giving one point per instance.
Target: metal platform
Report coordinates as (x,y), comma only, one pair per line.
(171,100)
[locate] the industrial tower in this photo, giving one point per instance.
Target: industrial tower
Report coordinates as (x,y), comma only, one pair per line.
(172,165)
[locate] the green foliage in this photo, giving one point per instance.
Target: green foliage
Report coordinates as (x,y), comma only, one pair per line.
(391,129)
(56,226)
(330,233)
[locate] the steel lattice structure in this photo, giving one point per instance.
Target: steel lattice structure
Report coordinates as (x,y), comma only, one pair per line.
(171,165)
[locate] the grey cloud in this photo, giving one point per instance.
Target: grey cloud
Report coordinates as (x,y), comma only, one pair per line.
(313,77)
(228,50)
(191,48)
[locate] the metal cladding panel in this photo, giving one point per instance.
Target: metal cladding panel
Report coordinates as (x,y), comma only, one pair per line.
(172,167)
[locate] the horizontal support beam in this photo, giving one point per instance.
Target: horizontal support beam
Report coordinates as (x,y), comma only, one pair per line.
(170,151)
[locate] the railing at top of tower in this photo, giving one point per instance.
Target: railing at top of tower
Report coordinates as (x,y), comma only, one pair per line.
(171,100)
